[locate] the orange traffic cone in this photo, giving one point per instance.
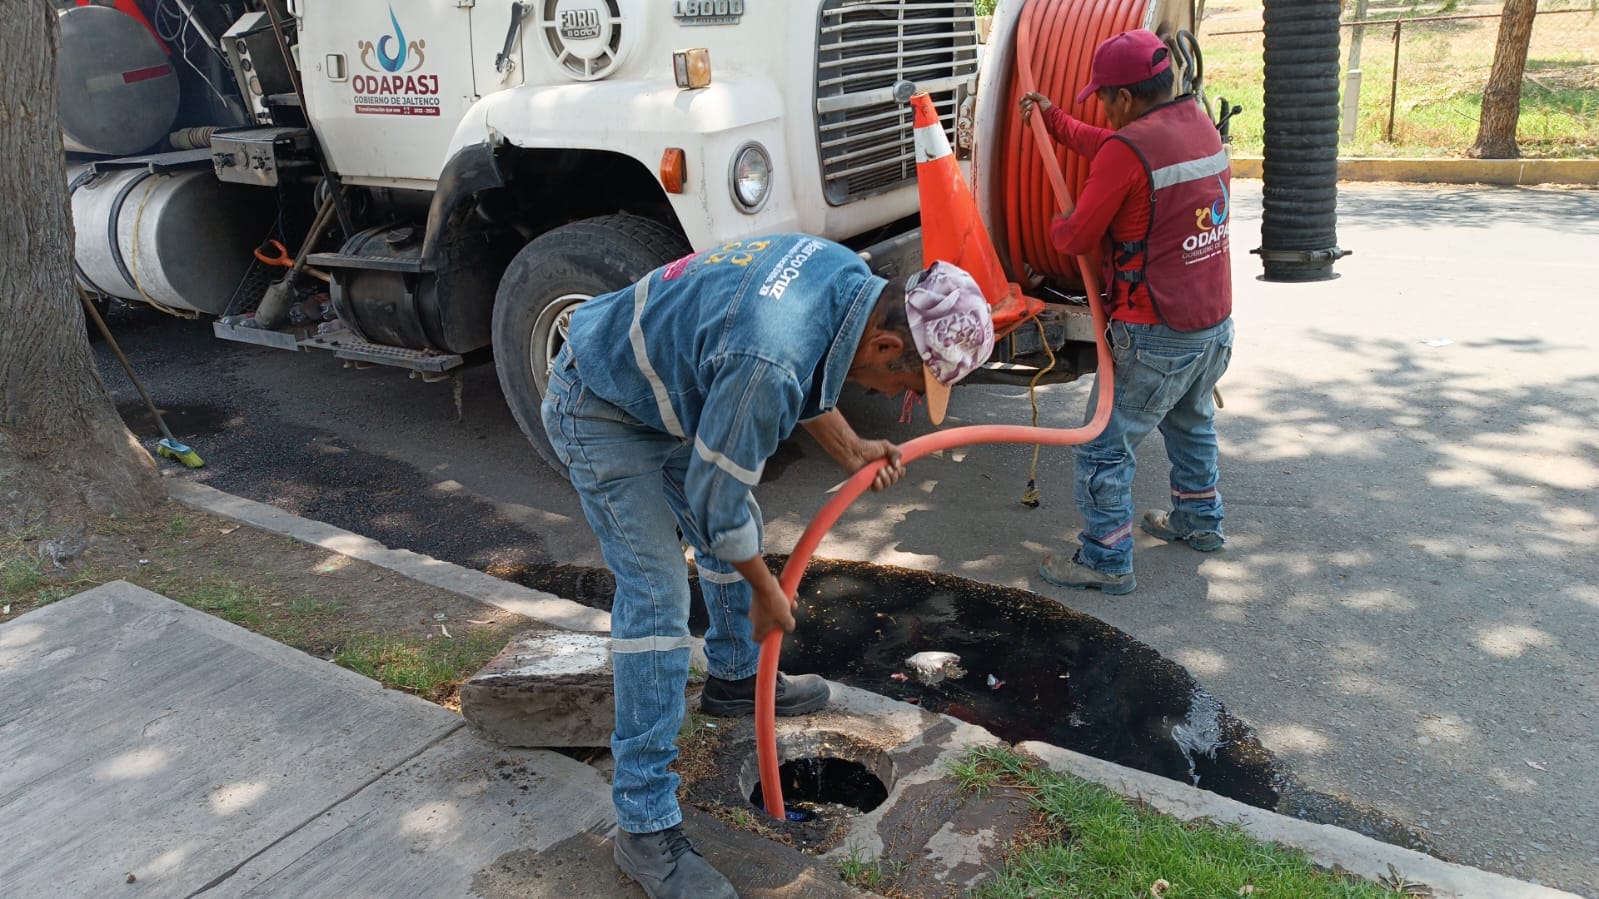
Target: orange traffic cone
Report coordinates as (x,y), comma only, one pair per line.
(951,228)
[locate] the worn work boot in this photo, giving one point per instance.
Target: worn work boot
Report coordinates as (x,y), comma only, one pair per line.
(799,695)
(1073,573)
(1159,524)
(667,866)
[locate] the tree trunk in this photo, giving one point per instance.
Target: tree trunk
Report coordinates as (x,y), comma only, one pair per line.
(1501,99)
(64,452)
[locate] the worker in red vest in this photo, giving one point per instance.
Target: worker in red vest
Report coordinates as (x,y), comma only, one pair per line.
(1156,206)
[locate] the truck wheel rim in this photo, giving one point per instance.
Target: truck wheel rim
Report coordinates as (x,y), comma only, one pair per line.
(549,340)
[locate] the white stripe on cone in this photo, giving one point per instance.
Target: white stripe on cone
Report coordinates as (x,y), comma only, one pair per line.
(931,144)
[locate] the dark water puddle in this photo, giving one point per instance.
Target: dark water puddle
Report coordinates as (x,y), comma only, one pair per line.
(1029,669)
(1032,670)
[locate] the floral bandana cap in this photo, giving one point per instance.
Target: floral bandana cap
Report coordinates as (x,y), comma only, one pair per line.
(954,332)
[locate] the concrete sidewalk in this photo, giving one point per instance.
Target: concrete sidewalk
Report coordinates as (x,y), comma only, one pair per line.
(152,750)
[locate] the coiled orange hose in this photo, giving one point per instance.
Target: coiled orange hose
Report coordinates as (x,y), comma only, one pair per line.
(1071,31)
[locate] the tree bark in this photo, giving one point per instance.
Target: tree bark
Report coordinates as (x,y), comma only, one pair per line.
(64,452)
(1501,99)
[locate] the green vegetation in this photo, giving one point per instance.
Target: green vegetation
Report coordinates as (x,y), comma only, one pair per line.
(1443,67)
(429,668)
(860,870)
(1108,846)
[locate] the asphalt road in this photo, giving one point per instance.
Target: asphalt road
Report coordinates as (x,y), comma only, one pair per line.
(1407,610)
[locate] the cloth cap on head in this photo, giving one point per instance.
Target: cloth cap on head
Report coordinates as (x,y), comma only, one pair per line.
(1126,58)
(952,327)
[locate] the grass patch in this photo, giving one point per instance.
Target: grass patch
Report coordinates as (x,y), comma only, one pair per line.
(18,577)
(860,870)
(1443,68)
(1111,847)
(429,668)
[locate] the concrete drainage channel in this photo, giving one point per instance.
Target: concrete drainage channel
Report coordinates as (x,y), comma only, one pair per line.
(870,775)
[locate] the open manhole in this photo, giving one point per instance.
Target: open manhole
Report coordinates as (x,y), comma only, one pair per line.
(815,786)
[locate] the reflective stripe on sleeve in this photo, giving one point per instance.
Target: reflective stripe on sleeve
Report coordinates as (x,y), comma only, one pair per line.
(745,476)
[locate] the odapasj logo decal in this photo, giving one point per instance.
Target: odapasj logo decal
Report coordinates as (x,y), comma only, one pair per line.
(1210,224)
(410,93)
(392,60)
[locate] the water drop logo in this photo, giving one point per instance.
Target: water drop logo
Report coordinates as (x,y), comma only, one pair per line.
(1210,227)
(1218,209)
(392,63)
(1214,215)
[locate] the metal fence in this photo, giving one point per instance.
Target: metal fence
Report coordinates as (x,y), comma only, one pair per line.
(1563,64)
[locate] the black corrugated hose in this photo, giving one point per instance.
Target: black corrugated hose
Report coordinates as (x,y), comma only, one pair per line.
(1299,240)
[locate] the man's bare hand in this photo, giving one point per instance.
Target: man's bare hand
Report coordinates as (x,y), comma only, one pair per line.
(1033,99)
(769,608)
(851,452)
(871,451)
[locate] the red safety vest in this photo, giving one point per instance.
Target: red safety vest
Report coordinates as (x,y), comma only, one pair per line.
(1183,262)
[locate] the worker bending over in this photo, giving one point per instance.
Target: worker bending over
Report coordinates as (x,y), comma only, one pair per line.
(664,405)
(1155,203)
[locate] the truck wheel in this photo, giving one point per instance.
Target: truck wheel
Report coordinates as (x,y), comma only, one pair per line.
(547,280)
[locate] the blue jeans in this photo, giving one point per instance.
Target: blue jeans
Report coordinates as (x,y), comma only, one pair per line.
(1164,379)
(630,480)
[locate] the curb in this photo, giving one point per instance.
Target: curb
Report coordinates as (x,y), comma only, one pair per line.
(1505,172)
(543,607)
(1323,844)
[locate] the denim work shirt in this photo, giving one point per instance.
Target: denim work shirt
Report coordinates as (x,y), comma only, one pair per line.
(729,349)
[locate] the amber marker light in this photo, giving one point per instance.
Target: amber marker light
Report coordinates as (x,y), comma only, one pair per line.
(692,68)
(674,170)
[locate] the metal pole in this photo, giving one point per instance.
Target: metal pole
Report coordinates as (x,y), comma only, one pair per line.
(1351,108)
(1393,81)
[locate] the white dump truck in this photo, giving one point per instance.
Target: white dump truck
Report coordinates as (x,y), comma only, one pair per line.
(431,184)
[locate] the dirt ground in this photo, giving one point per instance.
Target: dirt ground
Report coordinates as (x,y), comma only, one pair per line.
(306,597)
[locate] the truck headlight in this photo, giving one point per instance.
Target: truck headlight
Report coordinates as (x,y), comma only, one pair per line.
(750,177)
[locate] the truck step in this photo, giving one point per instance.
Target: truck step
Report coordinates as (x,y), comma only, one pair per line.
(408,265)
(347,346)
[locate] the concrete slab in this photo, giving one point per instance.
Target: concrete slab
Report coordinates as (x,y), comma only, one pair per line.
(546,689)
(142,737)
(153,750)
(434,825)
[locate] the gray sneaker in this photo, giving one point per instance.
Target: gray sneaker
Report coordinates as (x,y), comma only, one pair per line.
(798,695)
(667,866)
(1073,573)
(1159,525)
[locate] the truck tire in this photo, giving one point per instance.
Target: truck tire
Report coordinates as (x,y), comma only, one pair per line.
(549,278)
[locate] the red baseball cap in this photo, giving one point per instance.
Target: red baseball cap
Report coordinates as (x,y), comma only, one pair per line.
(1127,58)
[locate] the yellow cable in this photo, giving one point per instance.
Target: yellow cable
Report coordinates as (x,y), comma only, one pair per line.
(1030,495)
(138,218)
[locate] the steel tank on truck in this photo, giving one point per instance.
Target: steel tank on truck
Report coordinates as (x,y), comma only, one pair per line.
(119,90)
(181,239)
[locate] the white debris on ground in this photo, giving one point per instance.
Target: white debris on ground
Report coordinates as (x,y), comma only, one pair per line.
(933,667)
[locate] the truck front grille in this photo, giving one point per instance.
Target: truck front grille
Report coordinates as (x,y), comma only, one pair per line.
(864,137)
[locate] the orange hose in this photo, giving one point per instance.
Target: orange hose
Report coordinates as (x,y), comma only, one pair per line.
(1025,190)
